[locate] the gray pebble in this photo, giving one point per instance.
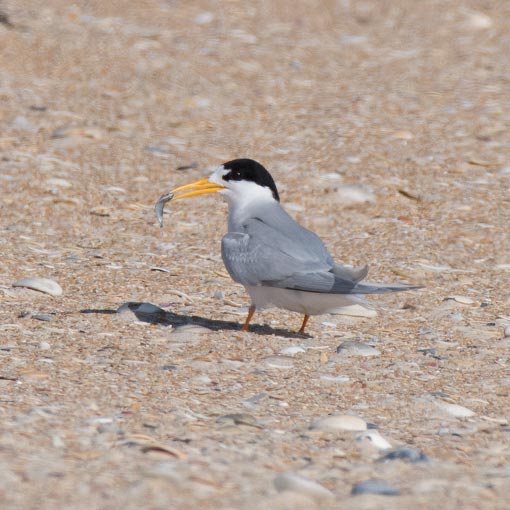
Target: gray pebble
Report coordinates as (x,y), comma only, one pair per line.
(144,312)
(42,317)
(405,453)
(374,487)
(428,350)
(23,124)
(507,331)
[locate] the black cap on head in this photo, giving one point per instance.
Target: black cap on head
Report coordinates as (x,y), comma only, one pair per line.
(250,170)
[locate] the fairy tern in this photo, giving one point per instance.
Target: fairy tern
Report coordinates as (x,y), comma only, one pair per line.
(280,263)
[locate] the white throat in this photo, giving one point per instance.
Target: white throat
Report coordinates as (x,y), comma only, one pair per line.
(244,198)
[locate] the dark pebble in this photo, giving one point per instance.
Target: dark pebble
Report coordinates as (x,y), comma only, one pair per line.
(405,453)
(374,487)
(188,167)
(429,350)
(42,317)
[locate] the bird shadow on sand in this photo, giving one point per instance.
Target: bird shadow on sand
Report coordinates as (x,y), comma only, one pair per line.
(152,314)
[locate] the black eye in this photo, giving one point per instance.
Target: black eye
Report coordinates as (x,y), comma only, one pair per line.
(233,175)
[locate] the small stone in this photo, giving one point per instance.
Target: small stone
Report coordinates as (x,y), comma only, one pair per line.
(355,348)
(42,317)
(295,483)
(292,350)
(45,285)
(170,368)
(373,438)
(428,350)
(374,487)
(339,422)
(144,312)
(405,453)
(356,311)
(507,331)
(455,410)
(44,346)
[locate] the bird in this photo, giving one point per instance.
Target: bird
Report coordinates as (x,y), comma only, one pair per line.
(279,262)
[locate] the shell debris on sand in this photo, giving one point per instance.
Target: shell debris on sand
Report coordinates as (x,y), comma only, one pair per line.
(44,285)
(370,116)
(374,439)
(356,348)
(340,422)
(296,483)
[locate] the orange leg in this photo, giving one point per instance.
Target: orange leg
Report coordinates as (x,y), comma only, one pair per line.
(251,311)
(303,326)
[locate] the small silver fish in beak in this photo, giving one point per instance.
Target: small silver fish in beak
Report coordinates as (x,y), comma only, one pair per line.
(160,206)
(200,187)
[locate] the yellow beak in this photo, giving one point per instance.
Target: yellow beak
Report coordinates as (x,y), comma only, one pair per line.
(200,187)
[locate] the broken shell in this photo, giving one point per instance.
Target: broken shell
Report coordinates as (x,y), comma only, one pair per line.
(339,422)
(45,285)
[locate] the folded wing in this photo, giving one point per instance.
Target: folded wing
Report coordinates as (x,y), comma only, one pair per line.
(283,254)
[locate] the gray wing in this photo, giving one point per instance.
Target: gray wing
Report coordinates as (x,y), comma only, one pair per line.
(280,253)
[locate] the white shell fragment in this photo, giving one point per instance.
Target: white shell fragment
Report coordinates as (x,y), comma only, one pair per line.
(339,422)
(292,350)
(355,348)
(373,438)
(45,285)
(338,379)
(477,21)
(191,329)
(295,483)
(455,410)
(278,361)
(352,195)
(464,300)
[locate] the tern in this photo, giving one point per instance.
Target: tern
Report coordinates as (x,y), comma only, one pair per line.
(280,263)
